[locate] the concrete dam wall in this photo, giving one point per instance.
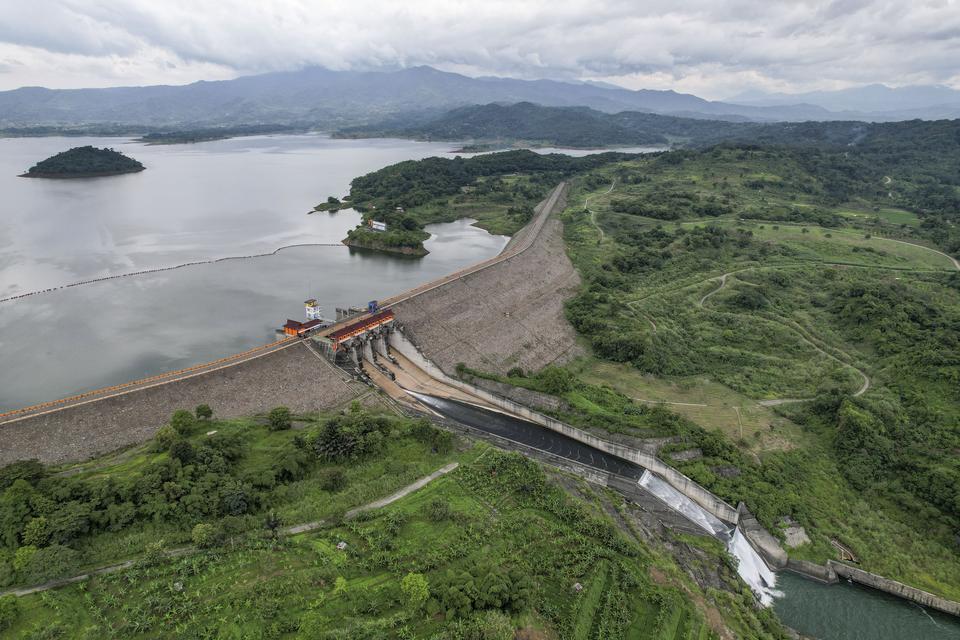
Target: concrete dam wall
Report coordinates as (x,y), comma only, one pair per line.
(293,376)
(519,321)
(507,315)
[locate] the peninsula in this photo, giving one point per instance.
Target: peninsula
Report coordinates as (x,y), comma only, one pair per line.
(84,162)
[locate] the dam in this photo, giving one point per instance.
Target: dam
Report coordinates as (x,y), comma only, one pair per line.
(499,314)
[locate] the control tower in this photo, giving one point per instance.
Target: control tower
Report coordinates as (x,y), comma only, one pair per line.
(313,309)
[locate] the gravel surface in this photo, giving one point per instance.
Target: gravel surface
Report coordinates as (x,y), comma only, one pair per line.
(508,315)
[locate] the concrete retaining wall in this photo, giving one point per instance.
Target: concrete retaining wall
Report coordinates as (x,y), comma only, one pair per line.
(812,570)
(761,540)
(893,587)
(832,571)
(680,482)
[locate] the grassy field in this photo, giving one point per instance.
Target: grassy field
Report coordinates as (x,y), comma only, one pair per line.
(814,305)
(700,400)
(476,537)
(885,216)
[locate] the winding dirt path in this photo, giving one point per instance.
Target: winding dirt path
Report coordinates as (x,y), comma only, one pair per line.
(723,283)
(806,338)
(286,531)
(593,214)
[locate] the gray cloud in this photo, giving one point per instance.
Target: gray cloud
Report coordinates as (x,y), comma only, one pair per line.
(708,47)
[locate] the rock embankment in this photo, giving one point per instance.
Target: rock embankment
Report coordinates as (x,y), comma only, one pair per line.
(507,315)
(293,377)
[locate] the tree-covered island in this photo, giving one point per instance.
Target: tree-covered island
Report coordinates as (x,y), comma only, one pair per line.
(84,162)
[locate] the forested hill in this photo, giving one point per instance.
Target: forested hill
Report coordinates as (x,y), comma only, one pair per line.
(82,162)
(588,128)
(563,126)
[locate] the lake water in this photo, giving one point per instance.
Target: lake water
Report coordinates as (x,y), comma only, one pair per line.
(194,202)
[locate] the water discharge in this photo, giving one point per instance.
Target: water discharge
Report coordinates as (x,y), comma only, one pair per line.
(750,565)
(684,505)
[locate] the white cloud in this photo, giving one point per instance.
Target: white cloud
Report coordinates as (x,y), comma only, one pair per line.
(712,48)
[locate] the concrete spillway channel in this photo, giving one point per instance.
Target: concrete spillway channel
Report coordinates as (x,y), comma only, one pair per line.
(407,383)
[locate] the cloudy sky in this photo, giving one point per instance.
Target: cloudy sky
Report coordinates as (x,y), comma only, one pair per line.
(714,48)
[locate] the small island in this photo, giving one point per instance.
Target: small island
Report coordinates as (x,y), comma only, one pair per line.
(84,162)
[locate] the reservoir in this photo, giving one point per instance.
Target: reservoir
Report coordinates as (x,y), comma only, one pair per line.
(212,200)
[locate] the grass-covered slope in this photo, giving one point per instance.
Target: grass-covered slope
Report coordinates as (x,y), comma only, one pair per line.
(494,548)
(499,190)
(84,162)
(807,318)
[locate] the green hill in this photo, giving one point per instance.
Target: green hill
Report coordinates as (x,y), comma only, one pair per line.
(84,162)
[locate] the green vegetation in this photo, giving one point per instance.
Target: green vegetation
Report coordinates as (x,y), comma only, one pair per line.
(499,190)
(188,136)
(462,558)
(533,124)
(221,477)
(741,266)
(84,162)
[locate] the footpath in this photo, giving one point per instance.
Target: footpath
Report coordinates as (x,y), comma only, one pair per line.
(286,531)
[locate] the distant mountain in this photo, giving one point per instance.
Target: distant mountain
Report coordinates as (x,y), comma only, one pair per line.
(531,124)
(336,98)
(524,122)
(874,101)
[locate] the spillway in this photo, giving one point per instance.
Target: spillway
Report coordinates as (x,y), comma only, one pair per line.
(750,565)
(686,507)
(529,434)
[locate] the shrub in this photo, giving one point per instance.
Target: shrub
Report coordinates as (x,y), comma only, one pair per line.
(279,419)
(154,553)
(333,480)
(438,510)
(515,372)
(182,422)
(28,470)
(494,625)
(9,611)
(204,412)
(182,450)
(22,557)
(164,437)
(272,522)
(50,562)
(555,381)
(415,589)
(36,532)
(395,522)
(205,535)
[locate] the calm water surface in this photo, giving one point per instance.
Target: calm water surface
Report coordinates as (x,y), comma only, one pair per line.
(227,198)
(846,611)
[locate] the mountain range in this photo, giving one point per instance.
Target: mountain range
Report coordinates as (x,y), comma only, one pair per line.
(328,99)
(525,124)
(879,101)
(320,97)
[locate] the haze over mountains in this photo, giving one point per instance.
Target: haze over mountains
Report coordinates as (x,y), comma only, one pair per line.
(883,102)
(325,98)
